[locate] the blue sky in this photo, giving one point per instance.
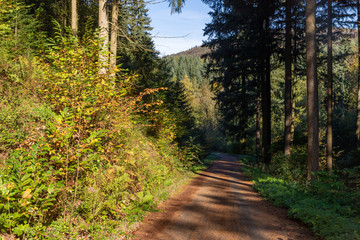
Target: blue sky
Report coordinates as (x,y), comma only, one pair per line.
(178,32)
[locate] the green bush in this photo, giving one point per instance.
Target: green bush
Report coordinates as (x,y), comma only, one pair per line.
(205,163)
(76,160)
(28,197)
(290,168)
(329,207)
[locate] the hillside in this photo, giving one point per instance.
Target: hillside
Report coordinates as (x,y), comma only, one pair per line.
(195,51)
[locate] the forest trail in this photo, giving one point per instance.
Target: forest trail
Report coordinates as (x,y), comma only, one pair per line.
(220,204)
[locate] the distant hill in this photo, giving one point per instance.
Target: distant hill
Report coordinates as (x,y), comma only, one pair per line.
(195,51)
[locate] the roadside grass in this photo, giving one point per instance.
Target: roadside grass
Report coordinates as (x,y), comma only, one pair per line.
(205,163)
(137,213)
(327,206)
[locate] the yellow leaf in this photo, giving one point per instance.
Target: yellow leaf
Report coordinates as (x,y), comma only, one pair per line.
(27,194)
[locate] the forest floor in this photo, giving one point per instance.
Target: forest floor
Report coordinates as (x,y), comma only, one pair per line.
(220,203)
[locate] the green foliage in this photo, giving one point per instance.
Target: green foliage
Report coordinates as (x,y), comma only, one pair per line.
(205,163)
(19,30)
(352,176)
(290,168)
(19,110)
(191,153)
(327,206)
(191,66)
(29,191)
(136,49)
(189,72)
(77,160)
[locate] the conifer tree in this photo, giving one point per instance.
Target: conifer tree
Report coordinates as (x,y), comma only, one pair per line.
(358,95)
(241,37)
(288,78)
(329,145)
(176,5)
(312,91)
(136,49)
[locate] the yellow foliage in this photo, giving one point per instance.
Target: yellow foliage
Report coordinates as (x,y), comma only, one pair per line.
(27,194)
(353,61)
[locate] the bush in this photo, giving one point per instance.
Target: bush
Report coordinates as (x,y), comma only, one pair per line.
(327,206)
(81,163)
(291,167)
(28,199)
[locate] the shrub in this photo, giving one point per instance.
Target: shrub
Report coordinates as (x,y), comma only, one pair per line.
(28,199)
(81,164)
(329,207)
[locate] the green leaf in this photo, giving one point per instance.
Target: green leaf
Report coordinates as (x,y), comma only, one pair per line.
(26,176)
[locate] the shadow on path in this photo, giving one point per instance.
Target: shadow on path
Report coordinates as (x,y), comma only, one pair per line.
(220,204)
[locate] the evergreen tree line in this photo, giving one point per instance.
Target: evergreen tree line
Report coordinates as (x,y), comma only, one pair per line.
(190,72)
(285,78)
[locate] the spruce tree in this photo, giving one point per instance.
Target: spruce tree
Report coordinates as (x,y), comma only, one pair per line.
(241,39)
(288,78)
(312,91)
(136,48)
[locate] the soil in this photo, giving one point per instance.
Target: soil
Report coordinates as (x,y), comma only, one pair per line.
(220,203)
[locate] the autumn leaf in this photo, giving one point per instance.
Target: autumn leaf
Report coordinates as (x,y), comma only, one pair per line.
(27,194)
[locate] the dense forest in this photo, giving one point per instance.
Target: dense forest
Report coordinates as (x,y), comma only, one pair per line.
(96,128)
(286,81)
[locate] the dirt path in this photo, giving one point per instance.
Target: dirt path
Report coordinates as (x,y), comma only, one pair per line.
(220,204)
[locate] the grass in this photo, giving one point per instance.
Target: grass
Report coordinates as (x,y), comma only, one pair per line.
(329,208)
(134,218)
(206,163)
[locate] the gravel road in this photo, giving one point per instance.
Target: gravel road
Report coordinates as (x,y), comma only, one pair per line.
(220,204)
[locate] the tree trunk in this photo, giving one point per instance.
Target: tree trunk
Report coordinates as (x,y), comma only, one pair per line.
(293,103)
(114,33)
(16,27)
(329,146)
(64,15)
(267,113)
(312,91)
(358,95)
(266,97)
(258,130)
(294,85)
(288,75)
(104,36)
(244,120)
(74,17)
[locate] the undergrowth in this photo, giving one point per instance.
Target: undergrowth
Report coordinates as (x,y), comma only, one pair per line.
(330,208)
(205,163)
(75,159)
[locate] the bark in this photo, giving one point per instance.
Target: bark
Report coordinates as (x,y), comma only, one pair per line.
(329,146)
(244,121)
(16,29)
(358,95)
(294,87)
(266,104)
(288,75)
(74,17)
(293,103)
(114,34)
(258,130)
(312,91)
(104,36)
(64,15)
